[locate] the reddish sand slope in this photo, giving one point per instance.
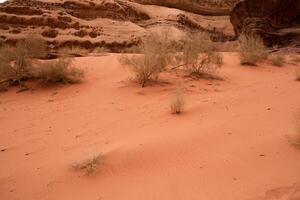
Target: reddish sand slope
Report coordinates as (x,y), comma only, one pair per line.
(230,143)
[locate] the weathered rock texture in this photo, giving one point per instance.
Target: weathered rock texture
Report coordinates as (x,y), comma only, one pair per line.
(276,21)
(114,24)
(203,7)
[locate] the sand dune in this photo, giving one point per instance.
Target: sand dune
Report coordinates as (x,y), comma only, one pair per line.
(230,143)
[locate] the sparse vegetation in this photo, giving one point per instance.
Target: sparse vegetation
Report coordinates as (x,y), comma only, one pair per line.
(251,49)
(295,140)
(73,51)
(59,71)
(18,64)
(298,74)
(156,52)
(199,58)
(89,165)
(277,60)
(295,58)
(177,102)
(101,50)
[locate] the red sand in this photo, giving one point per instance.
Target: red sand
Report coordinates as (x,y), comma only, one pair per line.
(229,144)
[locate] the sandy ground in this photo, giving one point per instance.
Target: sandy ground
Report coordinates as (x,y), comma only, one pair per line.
(229,144)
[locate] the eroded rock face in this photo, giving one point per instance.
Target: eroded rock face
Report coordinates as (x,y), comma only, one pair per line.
(113,24)
(203,7)
(276,21)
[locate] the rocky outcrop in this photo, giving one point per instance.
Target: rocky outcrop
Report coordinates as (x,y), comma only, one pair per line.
(276,21)
(113,24)
(203,7)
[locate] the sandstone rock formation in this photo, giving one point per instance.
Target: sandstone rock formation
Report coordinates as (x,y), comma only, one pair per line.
(276,21)
(203,7)
(113,24)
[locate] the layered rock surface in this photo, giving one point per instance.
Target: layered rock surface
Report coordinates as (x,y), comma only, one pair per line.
(114,24)
(276,21)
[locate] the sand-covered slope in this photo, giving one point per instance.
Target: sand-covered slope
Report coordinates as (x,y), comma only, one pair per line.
(114,24)
(230,143)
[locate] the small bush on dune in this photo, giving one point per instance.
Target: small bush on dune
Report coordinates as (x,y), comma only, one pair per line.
(177,102)
(156,52)
(59,71)
(16,62)
(145,67)
(277,60)
(199,58)
(298,74)
(295,140)
(73,51)
(251,49)
(89,165)
(295,58)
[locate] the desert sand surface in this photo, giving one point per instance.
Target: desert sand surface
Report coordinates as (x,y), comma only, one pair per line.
(230,143)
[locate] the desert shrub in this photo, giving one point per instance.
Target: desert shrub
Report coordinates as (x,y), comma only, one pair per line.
(298,74)
(251,49)
(89,165)
(16,62)
(177,102)
(295,139)
(101,50)
(73,51)
(34,47)
(145,67)
(295,58)
(277,60)
(59,71)
(199,58)
(156,50)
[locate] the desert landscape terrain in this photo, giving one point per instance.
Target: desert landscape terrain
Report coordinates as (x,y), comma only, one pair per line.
(146,99)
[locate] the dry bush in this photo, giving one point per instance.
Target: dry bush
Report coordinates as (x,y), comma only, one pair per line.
(199,58)
(101,50)
(156,50)
(295,140)
(34,46)
(89,165)
(59,71)
(73,51)
(298,74)
(251,49)
(177,102)
(16,62)
(295,58)
(277,60)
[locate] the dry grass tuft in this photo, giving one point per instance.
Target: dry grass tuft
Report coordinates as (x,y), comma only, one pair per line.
(277,60)
(298,74)
(59,71)
(199,58)
(177,102)
(295,58)
(156,52)
(16,62)
(89,165)
(295,141)
(252,49)
(100,50)
(73,51)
